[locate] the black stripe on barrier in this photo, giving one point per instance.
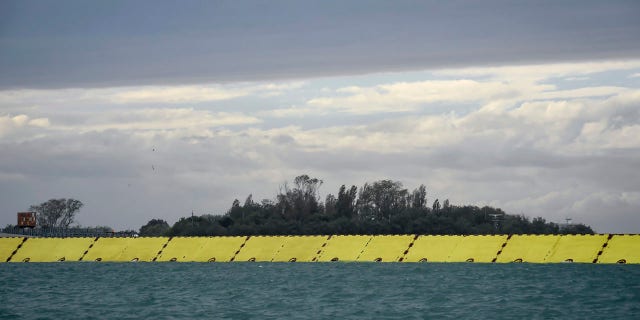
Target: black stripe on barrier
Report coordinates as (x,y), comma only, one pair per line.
(241,246)
(17,248)
(163,247)
(604,245)
(90,246)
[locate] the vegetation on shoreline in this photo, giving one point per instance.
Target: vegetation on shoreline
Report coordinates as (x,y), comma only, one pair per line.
(381,207)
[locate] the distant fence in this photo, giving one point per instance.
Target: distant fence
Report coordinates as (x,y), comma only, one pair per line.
(67,232)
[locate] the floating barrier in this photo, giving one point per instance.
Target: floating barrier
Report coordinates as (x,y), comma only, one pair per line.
(528,248)
(52,249)
(577,248)
(260,248)
(432,248)
(386,248)
(125,249)
(9,246)
(343,248)
(300,249)
(621,249)
(481,248)
(599,248)
(201,249)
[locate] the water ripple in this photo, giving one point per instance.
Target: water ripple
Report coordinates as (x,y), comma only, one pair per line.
(317,291)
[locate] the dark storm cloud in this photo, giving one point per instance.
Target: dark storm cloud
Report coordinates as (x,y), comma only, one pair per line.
(84,44)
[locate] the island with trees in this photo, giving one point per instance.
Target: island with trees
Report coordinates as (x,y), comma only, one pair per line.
(380,207)
(375,208)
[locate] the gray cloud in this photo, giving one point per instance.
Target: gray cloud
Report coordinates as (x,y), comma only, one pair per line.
(80,44)
(517,137)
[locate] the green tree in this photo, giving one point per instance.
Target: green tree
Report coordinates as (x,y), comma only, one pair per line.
(381,199)
(346,202)
(57,212)
(381,207)
(301,201)
(419,197)
(205,225)
(330,203)
(436,205)
(154,228)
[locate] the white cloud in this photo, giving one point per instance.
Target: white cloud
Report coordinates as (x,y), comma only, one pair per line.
(407,96)
(165,119)
(537,72)
(40,122)
(566,125)
(523,144)
(11,124)
(291,112)
(177,94)
(496,85)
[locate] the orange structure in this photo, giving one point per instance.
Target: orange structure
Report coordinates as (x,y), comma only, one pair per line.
(26,219)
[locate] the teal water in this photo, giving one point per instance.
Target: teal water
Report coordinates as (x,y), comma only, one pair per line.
(318,291)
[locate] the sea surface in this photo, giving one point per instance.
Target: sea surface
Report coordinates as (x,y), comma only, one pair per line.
(91,290)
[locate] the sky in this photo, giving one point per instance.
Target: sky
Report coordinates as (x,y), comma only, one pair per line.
(152,109)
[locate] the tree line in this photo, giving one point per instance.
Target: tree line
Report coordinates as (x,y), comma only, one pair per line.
(380,207)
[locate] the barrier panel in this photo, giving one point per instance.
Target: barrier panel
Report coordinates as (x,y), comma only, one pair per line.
(386,248)
(300,249)
(343,248)
(260,248)
(623,248)
(8,246)
(432,248)
(528,248)
(600,248)
(478,248)
(125,249)
(577,248)
(201,249)
(52,249)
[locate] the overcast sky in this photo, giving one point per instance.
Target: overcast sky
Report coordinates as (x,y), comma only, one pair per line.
(151,110)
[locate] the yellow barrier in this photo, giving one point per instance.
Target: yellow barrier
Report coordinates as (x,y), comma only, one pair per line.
(622,249)
(474,248)
(386,248)
(343,248)
(260,248)
(8,246)
(125,249)
(52,249)
(432,248)
(577,248)
(525,248)
(528,248)
(201,249)
(300,249)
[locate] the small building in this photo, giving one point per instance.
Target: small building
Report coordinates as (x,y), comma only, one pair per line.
(26,219)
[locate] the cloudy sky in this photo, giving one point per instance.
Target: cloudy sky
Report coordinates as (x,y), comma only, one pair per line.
(151,110)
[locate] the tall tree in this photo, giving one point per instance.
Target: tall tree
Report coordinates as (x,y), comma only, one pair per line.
(381,199)
(419,197)
(302,200)
(346,203)
(248,203)
(330,205)
(436,205)
(57,212)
